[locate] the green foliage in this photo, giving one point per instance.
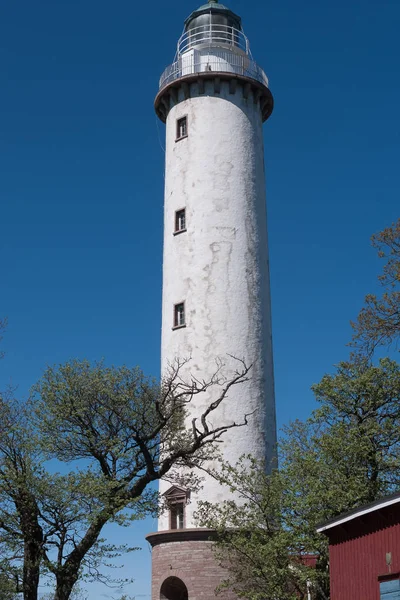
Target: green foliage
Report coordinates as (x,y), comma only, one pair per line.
(8,587)
(378,323)
(360,407)
(345,455)
(77,593)
(252,540)
(116,431)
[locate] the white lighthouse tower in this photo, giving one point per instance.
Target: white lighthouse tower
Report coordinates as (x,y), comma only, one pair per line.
(216,294)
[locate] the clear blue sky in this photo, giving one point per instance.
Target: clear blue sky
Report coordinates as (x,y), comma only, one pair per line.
(81,181)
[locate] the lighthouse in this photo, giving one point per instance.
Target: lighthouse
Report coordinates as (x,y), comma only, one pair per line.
(216,305)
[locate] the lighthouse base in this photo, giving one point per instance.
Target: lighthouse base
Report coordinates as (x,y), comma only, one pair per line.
(184,566)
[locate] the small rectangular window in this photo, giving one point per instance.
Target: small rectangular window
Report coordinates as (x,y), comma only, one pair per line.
(177,513)
(181,128)
(180,220)
(179,315)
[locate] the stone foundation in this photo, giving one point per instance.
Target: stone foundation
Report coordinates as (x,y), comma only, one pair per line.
(185,554)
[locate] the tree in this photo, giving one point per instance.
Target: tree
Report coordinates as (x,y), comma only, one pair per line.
(20,533)
(77,594)
(345,455)
(378,323)
(8,589)
(125,431)
(252,539)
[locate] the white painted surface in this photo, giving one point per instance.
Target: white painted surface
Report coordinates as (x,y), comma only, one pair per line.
(214,59)
(219,266)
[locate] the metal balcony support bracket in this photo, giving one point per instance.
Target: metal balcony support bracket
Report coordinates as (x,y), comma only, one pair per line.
(233,86)
(257,96)
(173,92)
(246,90)
(186,90)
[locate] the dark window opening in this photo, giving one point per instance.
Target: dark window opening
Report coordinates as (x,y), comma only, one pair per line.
(179,315)
(180,220)
(177,514)
(181,128)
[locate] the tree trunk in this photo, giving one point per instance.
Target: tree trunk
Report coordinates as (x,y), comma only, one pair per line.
(33,539)
(65,584)
(67,574)
(31,570)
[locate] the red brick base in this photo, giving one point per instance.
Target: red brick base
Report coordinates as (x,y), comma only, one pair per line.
(186,554)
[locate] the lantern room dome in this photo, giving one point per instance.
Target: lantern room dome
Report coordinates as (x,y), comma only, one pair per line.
(213,13)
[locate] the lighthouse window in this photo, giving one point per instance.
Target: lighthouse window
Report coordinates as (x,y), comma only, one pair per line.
(179,315)
(177,515)
(181,128)
(180,220)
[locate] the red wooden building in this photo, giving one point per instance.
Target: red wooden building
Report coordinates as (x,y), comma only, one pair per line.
(364,552)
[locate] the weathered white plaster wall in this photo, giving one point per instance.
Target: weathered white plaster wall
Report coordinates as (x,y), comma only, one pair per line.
(219,266)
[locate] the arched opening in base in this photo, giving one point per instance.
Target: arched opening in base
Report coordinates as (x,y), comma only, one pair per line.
(173,588)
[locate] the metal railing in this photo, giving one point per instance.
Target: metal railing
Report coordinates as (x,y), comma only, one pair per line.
(213,35)
(220,62)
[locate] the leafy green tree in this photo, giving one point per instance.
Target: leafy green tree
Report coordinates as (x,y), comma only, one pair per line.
(77,594)
(252,540)
(378,323)
(345,455)
(117,431)
(8,585)
(20,474)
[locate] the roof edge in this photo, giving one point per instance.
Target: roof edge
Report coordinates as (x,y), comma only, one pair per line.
(359,512)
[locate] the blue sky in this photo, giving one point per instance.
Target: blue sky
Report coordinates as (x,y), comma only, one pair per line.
(81,182)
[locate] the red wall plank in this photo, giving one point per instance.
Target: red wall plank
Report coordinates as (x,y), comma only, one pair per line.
(357,553)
